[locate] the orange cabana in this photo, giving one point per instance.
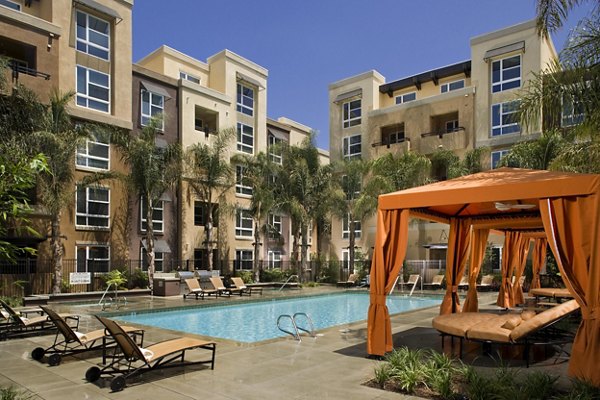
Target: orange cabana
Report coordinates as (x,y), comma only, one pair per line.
(565,206)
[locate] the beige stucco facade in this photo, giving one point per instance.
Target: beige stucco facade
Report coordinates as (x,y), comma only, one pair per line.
(449,107)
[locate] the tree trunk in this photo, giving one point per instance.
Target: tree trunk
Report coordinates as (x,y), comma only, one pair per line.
(150,243)
(57,253)
(351,242)
(255,261)
(208,229)
(303,252)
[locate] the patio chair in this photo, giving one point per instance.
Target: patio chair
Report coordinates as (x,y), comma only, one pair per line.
(241,286)
(525,329)
(486,282)
(22,324)
(464,282)
(70,342)
(194,289)
(436,282)
(134,360)
(413,280)
(218,284)
(350,282)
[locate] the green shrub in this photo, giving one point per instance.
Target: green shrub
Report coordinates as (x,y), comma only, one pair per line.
(137,278)
(12,301)
(580,390)
(115,277)
(10,393)
(311,284)
(247,276)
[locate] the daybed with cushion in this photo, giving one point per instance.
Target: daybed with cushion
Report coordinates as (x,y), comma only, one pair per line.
(505,328)
(552,293)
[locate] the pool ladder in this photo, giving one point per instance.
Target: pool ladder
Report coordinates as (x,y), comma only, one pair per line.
(296,333)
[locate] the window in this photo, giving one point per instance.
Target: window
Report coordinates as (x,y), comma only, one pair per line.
(450,86)
(451,126)
(188,77)
(153,105)
(241,183)
(93,206)
(506,74)
(157,216)
(276,226)
(93,258)
(406,98)
(244,226)
(275,149)
(243,259)
(346,258)
(245,100)
(392,134)
(93,35)
(572,112)
(351,189)
(10,4)
(346,227)
(352,147)
(351,113)
(274,259)
(201,214)
(497,156)
(245,138)
(159,260)
(94,153)
(93,89)
(504,118)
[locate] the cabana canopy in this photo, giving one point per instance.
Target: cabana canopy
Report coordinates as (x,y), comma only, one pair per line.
(565,206)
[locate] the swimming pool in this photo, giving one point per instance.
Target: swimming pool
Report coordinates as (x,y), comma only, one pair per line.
(257,321)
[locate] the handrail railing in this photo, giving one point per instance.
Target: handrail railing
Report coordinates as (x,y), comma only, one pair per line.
(287,281)
(296,334)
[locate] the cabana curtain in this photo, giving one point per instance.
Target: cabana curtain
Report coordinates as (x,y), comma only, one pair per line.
(478,245)
(390,248)
(573,232)
(539,259)
(510,257)
(521,259)
(456,259)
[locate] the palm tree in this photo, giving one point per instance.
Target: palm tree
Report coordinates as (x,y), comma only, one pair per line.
(536,154)
(153,170)
(258,173)
(210,175)
(355,201)
(393,172)
(58,141)
(303,186)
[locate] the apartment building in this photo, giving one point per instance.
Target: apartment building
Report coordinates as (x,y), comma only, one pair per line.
(82,46)
(458,107)
(225,92)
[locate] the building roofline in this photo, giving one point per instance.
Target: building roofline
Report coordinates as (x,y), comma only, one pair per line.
(294,124)
(356,78)
(239,59)
(176,54)
(143,71)
(431,75)
(504,31)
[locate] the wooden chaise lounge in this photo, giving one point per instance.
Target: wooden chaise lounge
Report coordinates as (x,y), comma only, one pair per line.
(241,286)
(350,282)
(554,294)
(195,289)
(512,328)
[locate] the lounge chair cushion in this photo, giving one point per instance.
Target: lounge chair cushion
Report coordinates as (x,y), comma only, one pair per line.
(459,324)
(512,322)
(492,329)
(527,315)
(542,319)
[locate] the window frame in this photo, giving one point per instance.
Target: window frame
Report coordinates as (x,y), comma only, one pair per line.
(186,76)
(346,227)
(454,123)
(86,156)
(573,118)
(159,260)
(274,259)
(243,147)
(155,222)
(240,188)
(501,153)
(271,142)
(498,85)
(348,119)
(86,214)
(86,41)
(347,147)
(85,96)
(499,129)
(276,222)
(241,231)
(146,117)
(87,247)
(448,86)
(241,105)
(241,261)
(5,3)
(201,212)
(400,99)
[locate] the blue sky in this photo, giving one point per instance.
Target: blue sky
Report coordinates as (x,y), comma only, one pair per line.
(308,44)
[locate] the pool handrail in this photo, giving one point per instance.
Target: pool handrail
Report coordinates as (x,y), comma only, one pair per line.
(287,281)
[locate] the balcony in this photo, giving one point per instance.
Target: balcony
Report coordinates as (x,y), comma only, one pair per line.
(205,120)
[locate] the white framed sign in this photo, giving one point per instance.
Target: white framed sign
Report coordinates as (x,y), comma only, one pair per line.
(80,278)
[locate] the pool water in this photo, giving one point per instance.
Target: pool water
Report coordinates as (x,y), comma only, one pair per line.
(254,322)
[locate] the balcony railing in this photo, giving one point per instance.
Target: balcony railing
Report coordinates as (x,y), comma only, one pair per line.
(441,134)
(21,69)
(388,144)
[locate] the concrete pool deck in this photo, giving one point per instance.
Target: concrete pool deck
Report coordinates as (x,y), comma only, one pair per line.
(333,365)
